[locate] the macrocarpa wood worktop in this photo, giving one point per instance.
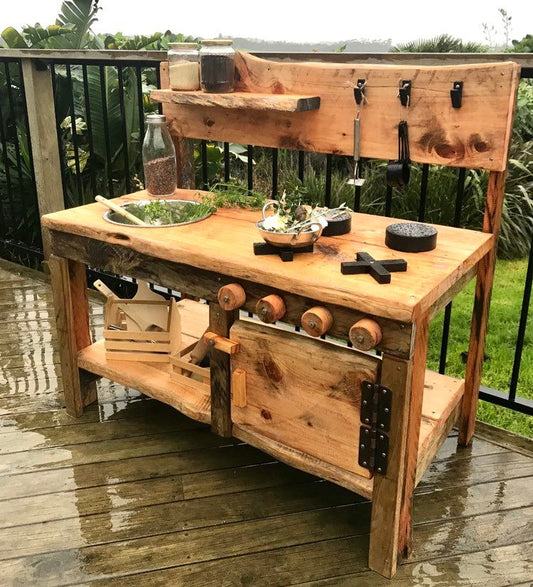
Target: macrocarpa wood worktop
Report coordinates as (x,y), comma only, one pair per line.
(223,243)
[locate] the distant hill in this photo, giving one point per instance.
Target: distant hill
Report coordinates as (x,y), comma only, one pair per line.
(353,45)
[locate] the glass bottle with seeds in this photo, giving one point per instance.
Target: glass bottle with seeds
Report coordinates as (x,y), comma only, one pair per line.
(159,157)
(217,65)
(183,66)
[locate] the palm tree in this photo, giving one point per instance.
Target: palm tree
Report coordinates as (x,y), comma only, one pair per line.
(442,44)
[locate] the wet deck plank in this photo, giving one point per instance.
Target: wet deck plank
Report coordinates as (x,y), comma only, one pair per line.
(133,493)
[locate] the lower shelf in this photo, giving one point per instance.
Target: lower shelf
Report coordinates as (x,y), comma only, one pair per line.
(440,410)
(442,399)
(152,379)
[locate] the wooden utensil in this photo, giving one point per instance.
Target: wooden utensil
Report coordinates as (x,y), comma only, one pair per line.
(144,292)
(158,314)
(119,210)
(131,324)
(150,318)
(357,179)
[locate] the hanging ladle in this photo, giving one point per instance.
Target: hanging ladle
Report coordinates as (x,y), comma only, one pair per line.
(398,172)
(357,180)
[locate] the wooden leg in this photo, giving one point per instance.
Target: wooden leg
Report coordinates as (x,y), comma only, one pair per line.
(390,526)
(476,347)
(480,316)
(69,287)
(220,322)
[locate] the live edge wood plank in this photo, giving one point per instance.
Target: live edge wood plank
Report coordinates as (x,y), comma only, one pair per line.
(239,100)
(473,136)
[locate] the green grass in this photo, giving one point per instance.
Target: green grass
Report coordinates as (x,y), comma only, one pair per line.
(501,339)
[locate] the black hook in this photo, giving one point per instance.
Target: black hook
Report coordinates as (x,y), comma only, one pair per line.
(404,92)
(456,94)
(359,91)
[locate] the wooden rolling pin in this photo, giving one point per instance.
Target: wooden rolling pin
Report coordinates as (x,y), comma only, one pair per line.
(199,352)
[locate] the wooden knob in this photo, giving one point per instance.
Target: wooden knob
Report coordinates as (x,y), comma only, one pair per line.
(365,334)
(270,309)
(231,296)
(317,321)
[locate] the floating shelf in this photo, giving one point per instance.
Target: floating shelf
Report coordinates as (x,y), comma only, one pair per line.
(240,100)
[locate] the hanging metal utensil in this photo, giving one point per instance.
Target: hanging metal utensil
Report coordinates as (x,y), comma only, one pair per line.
(357,179)
(398,172)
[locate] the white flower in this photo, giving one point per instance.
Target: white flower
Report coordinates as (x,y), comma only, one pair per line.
(275,222)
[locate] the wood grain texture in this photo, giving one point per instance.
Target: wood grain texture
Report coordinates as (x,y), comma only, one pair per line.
(302,393)
(415,388)
(239,100)
(238,388)
(474,136)
(317,321)
(220,322)
(387,493)
(365,334)
(69,288)
(480,313)
(270,309)
(317,276)
(200,283)
(391,526)
(231,296)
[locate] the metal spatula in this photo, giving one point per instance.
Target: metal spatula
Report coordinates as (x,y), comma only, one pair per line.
(357,179)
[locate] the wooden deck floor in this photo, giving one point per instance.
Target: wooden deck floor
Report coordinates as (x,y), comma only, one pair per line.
(133,493)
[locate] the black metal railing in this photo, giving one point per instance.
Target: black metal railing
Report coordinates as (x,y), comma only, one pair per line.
(100,107)
(20,235)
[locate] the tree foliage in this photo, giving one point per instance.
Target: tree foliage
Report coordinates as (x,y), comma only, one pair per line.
(524,45)
(441,44)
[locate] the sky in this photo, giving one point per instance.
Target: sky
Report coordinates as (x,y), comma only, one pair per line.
(329,20)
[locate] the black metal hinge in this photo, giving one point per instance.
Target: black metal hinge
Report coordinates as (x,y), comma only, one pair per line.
(376,403)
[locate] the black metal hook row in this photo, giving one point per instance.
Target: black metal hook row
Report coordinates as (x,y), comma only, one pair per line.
(404,92)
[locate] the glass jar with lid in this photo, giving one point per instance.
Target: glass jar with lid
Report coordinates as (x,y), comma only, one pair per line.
(159,157)
(183,66)
(217,65)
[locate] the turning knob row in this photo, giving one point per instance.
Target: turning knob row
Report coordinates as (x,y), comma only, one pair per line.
(364,335)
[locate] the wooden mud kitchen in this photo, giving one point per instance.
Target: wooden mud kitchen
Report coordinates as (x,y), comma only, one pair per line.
(367,416)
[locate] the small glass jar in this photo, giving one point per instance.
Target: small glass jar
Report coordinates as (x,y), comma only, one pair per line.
(217,66)
(159,157)
(183,66)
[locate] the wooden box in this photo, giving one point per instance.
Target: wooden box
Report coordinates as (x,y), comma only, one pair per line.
(148,346)
(188,373)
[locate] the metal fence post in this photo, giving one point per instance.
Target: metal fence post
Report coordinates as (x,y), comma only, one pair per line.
(45,147)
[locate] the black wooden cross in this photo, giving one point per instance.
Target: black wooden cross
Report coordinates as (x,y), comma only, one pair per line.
(380,270)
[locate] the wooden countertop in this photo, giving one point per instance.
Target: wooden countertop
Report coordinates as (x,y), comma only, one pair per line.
(223,243)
